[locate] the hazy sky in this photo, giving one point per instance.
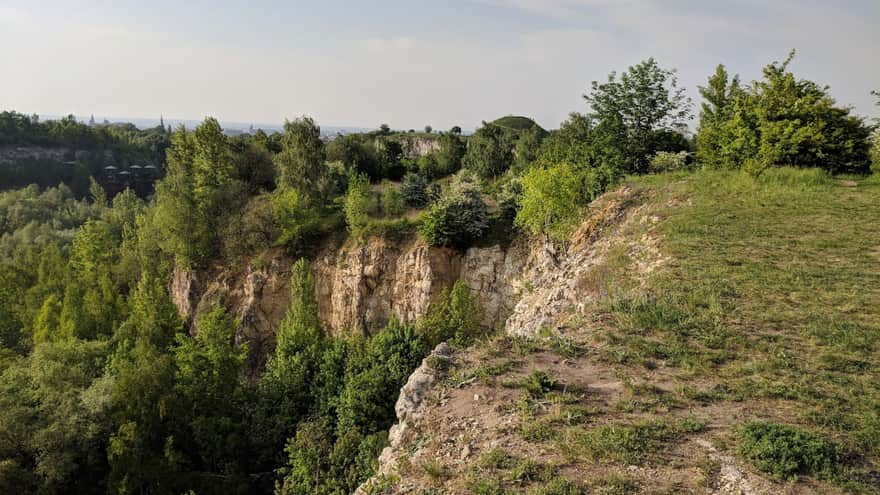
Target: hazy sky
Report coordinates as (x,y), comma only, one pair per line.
(405,62)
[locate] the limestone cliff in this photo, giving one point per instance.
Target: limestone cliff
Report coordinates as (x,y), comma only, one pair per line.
(360,286)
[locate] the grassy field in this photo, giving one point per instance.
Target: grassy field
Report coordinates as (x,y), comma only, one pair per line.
(755,344)
(772,295)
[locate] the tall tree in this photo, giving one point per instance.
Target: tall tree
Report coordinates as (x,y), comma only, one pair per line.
(633,108)
(300,163)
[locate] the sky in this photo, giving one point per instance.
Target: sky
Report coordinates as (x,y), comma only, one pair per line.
(408,63)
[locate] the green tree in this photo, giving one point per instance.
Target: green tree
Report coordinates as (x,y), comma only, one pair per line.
(301,162)
(555,198)
(783,121)
(291,384)
(875,153)
(392,200)
(184,234)
(527,147)
(629,110)
(489,151)
(357,203)
(454,317)
(297,219)
(143,453)
(54,420)
(212,165)
(414,189)
(452,151)
(207,381)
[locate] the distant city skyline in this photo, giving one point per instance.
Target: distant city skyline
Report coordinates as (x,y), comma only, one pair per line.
(407,63)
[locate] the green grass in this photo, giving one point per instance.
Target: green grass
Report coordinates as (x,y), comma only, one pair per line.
(624,443)
(496,459)
(557,486)
(772,293)
(460,378)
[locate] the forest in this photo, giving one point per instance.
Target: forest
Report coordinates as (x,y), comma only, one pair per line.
(106,389)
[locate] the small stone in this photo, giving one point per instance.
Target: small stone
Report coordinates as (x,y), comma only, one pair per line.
(476,397)
(466,452)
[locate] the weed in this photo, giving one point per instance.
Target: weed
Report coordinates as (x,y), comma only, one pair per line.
(565,347)
(461,378)
(488,487)
(785,452)
(614,485)
(537,431)
(496,459)
(528,471)
(538,383)
(435,470)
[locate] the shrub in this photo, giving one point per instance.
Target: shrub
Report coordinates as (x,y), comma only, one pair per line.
(392,201)
(779,121)
(665,161)
(538,383)
(414,189)
(509,196)
(554,198)
(785,452)
(456,316)
(296,218)
(458,219)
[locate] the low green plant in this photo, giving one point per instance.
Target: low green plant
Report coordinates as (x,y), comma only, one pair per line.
(488,487)
(496,458)
(357,203)
(538,383)
(786,452)
(557,486)
(529,471)
(614,485)
(392,200)
(435,470)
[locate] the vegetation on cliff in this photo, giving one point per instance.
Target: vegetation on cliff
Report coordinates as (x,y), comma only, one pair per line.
(768,301)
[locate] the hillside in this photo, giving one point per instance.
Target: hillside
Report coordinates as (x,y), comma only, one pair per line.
(517,123)
(724,341)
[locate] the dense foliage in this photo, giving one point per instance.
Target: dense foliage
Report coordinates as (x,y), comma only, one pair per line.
(458,218)
(638,111)
(105,388)
(779,121)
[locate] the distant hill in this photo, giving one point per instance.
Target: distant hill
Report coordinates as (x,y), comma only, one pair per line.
(517,123)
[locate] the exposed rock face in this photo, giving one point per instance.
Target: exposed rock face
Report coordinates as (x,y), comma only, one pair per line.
(361,287)
(358,287)
(416,146)
(524,287)
(256,296)
(13,154)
